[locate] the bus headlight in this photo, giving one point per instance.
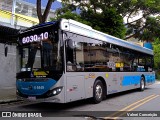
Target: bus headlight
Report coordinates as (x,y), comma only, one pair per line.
(23,69)
(29,69)
(57,90)
(20,80)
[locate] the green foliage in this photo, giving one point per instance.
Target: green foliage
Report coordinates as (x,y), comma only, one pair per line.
(158,76)
(68,15)
(141,28)
(109,21)
(156,48)
(112,12)
(151,30)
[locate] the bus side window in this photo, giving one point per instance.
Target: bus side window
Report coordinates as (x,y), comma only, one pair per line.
(135,65)
(74,54)
(69,58)
(142,61)
(149,64)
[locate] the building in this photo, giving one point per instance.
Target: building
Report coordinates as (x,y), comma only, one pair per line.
(20,13)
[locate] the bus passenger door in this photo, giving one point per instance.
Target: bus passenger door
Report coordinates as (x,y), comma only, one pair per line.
(75,88)
(74,54)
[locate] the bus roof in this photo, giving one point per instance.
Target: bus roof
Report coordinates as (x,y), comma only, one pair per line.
(42,25)
(82,29)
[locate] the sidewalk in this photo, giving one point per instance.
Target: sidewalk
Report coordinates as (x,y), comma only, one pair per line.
(7,95)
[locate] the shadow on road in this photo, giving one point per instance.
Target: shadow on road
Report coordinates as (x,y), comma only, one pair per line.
(71,109)
(67,106)
(125,93)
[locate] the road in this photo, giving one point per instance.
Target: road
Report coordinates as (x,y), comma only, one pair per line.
(133,104)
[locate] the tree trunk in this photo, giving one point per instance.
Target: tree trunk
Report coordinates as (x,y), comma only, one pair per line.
(39,12)
(43,17)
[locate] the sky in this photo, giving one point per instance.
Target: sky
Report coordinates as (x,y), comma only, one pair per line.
(55,5)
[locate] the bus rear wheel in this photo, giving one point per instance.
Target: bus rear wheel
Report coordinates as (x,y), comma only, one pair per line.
(98,92)
(142,84)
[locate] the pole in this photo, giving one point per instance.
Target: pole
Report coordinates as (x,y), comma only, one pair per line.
(13,12)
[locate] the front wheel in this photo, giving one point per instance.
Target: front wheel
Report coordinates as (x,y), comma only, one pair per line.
(142,84)
(97,91)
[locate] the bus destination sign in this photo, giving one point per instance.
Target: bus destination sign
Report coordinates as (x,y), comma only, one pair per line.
(35,38)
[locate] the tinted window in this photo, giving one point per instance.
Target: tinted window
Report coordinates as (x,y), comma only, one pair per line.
(87,54)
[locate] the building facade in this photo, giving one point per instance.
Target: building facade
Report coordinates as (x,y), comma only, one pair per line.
(19,13)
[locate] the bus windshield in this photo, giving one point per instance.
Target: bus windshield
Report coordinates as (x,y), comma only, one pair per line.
(43,54)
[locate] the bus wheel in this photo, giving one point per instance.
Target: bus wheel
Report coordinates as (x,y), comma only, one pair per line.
(142,84)
(97,91)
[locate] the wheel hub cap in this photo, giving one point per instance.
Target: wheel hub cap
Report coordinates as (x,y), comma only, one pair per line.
(98,91)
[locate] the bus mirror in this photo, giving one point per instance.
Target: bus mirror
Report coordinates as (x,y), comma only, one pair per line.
(5,50)
(70,44)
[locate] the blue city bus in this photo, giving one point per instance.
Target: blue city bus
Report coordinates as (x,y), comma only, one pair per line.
(65,61)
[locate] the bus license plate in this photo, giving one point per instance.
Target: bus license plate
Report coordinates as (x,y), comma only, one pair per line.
(31,98)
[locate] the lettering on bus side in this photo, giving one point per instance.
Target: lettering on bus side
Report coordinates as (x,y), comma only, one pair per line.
(140,69)
(39,87)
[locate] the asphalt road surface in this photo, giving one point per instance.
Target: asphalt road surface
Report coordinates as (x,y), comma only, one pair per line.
(134,105)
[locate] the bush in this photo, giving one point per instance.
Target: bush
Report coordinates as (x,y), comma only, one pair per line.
(158,75)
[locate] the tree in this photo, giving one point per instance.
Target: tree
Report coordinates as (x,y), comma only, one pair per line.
(143,8)
(95,12)
(107,21)
(66,12)
(126,9)
(156,48)
(43,17)
(151,30)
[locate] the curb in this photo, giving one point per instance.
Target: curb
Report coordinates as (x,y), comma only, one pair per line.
(9,101)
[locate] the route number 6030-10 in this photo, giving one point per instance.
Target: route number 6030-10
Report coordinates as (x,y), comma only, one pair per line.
(35,38)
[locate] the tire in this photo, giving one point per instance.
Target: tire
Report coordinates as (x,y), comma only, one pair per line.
(98,92)
(142,84)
